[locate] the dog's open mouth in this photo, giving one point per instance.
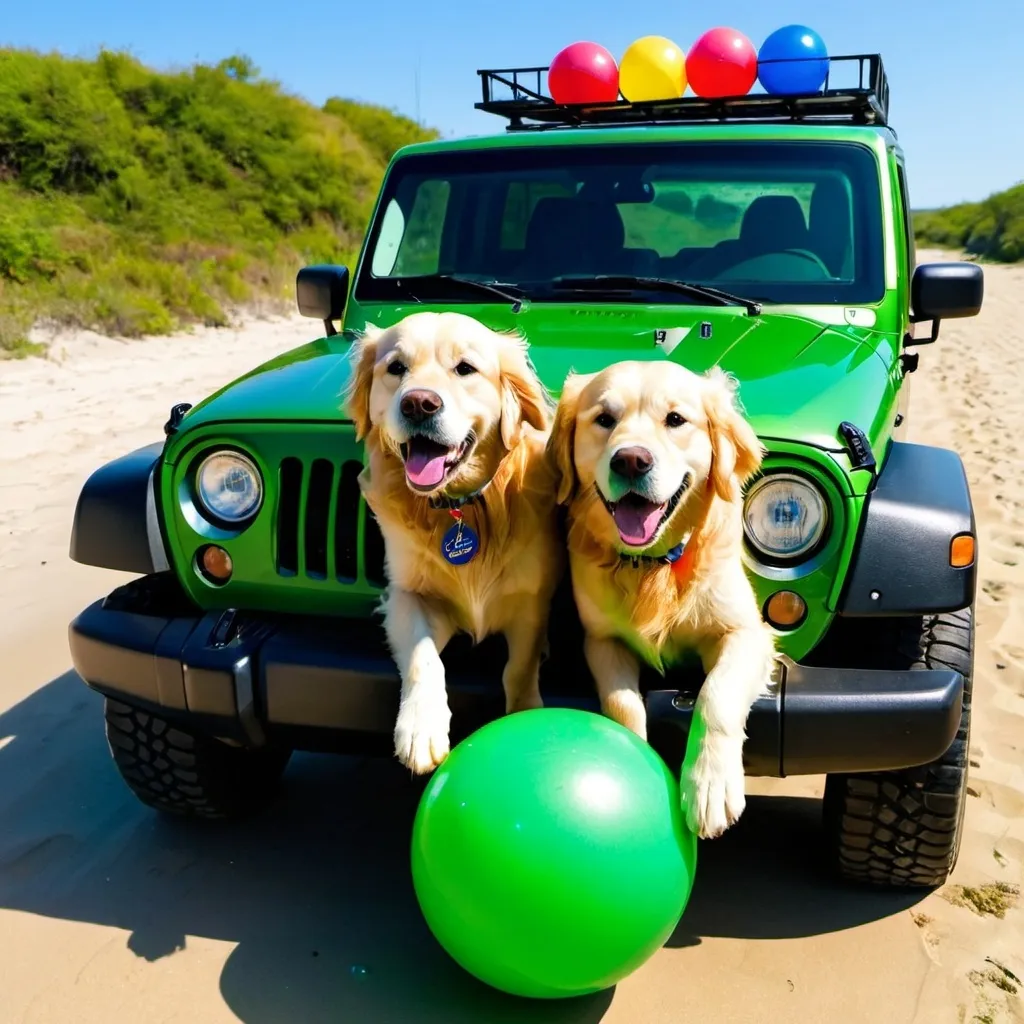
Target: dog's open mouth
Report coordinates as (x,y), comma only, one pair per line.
(428,463)
(638,519)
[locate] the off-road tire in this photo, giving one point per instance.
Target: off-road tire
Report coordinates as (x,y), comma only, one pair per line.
(187,774)
(903,828)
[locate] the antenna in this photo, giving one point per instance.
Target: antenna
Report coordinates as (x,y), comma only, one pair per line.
(416,80)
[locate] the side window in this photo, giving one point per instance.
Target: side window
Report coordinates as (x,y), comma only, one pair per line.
(701,215)
(420,249)
(392,228)
(682,215)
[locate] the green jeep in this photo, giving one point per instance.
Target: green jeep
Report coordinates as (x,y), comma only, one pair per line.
(768,235)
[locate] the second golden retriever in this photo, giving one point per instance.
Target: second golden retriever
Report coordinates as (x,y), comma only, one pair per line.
(455,423)
(652,459)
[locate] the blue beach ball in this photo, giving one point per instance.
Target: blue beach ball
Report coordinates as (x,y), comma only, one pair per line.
(792,61)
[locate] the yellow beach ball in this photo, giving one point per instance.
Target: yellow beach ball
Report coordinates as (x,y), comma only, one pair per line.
(652,68)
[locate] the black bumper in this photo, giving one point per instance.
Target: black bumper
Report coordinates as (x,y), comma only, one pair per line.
(330,684)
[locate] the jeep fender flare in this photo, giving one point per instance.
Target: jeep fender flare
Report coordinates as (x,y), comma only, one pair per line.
(902,562)
(116,523)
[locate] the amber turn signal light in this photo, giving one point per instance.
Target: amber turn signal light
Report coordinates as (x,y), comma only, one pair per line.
(215,564)
(961,551)
(785,609)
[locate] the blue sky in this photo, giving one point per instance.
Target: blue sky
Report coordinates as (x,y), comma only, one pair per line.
(956,68)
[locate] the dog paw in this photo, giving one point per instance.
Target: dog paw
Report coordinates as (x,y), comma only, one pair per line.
(523,702)
(713,794)
(627,708)
(421,734)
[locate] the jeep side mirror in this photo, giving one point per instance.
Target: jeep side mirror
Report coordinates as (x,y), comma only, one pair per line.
(943,291)
(321,291)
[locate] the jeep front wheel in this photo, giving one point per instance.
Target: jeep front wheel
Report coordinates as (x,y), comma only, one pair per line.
(188,774)
(903,828)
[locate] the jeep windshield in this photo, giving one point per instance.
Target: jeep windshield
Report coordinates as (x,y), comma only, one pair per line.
(771,221)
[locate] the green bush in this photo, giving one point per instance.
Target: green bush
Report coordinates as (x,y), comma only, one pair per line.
(26,251)
(134,201)
(384,131)
(992,229)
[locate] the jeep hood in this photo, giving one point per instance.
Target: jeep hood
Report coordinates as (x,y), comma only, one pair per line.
(799,379)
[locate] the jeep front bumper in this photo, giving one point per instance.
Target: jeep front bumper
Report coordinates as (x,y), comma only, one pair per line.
(330,684)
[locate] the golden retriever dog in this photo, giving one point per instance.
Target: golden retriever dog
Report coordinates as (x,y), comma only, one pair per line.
(651,459)
(455,422)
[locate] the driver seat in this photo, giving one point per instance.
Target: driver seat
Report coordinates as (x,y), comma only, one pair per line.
(832,227)
(770,224)
(571,236)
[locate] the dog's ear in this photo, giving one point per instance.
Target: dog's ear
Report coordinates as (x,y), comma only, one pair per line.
(736,450)
(363,356)
(523,398)
(563,435)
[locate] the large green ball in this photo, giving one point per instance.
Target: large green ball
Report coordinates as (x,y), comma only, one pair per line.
(549,853)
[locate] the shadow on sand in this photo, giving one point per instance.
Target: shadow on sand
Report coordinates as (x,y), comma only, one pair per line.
(316,891)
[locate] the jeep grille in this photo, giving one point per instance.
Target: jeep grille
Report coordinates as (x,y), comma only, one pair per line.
(319,520)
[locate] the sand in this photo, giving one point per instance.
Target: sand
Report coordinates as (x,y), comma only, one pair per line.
(108,913)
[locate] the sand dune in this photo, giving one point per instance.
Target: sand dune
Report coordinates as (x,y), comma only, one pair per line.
(307,914)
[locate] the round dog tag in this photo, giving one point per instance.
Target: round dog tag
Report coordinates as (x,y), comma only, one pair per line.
(460,544)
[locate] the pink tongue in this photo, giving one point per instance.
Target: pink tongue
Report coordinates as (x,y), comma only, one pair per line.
(637,521)
(425,464)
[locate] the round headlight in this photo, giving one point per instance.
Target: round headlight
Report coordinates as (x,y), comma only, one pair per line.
(229,487)
(784,516)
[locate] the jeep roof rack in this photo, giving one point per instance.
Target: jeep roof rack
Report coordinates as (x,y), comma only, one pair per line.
(856,91)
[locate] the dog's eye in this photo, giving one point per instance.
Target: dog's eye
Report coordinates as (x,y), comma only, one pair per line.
(464,369)
(606,420)
(673,419)
(397,368)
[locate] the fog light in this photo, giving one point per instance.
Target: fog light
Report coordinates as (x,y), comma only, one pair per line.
(785,610)
(215,564)
(961,551)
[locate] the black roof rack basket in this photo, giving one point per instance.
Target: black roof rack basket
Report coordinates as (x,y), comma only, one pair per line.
(856,91)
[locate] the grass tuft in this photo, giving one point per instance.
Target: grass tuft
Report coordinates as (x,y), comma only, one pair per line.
(993,899)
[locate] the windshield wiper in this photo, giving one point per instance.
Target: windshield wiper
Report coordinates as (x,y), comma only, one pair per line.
(624,282)
(508,292)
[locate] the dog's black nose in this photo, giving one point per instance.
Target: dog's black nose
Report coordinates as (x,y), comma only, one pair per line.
(632,463)
(420,404)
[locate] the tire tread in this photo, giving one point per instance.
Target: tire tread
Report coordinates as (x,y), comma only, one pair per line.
(185,774)
(912,819)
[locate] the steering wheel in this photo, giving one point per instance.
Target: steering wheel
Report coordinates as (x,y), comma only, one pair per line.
(779,265)
(806,254)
